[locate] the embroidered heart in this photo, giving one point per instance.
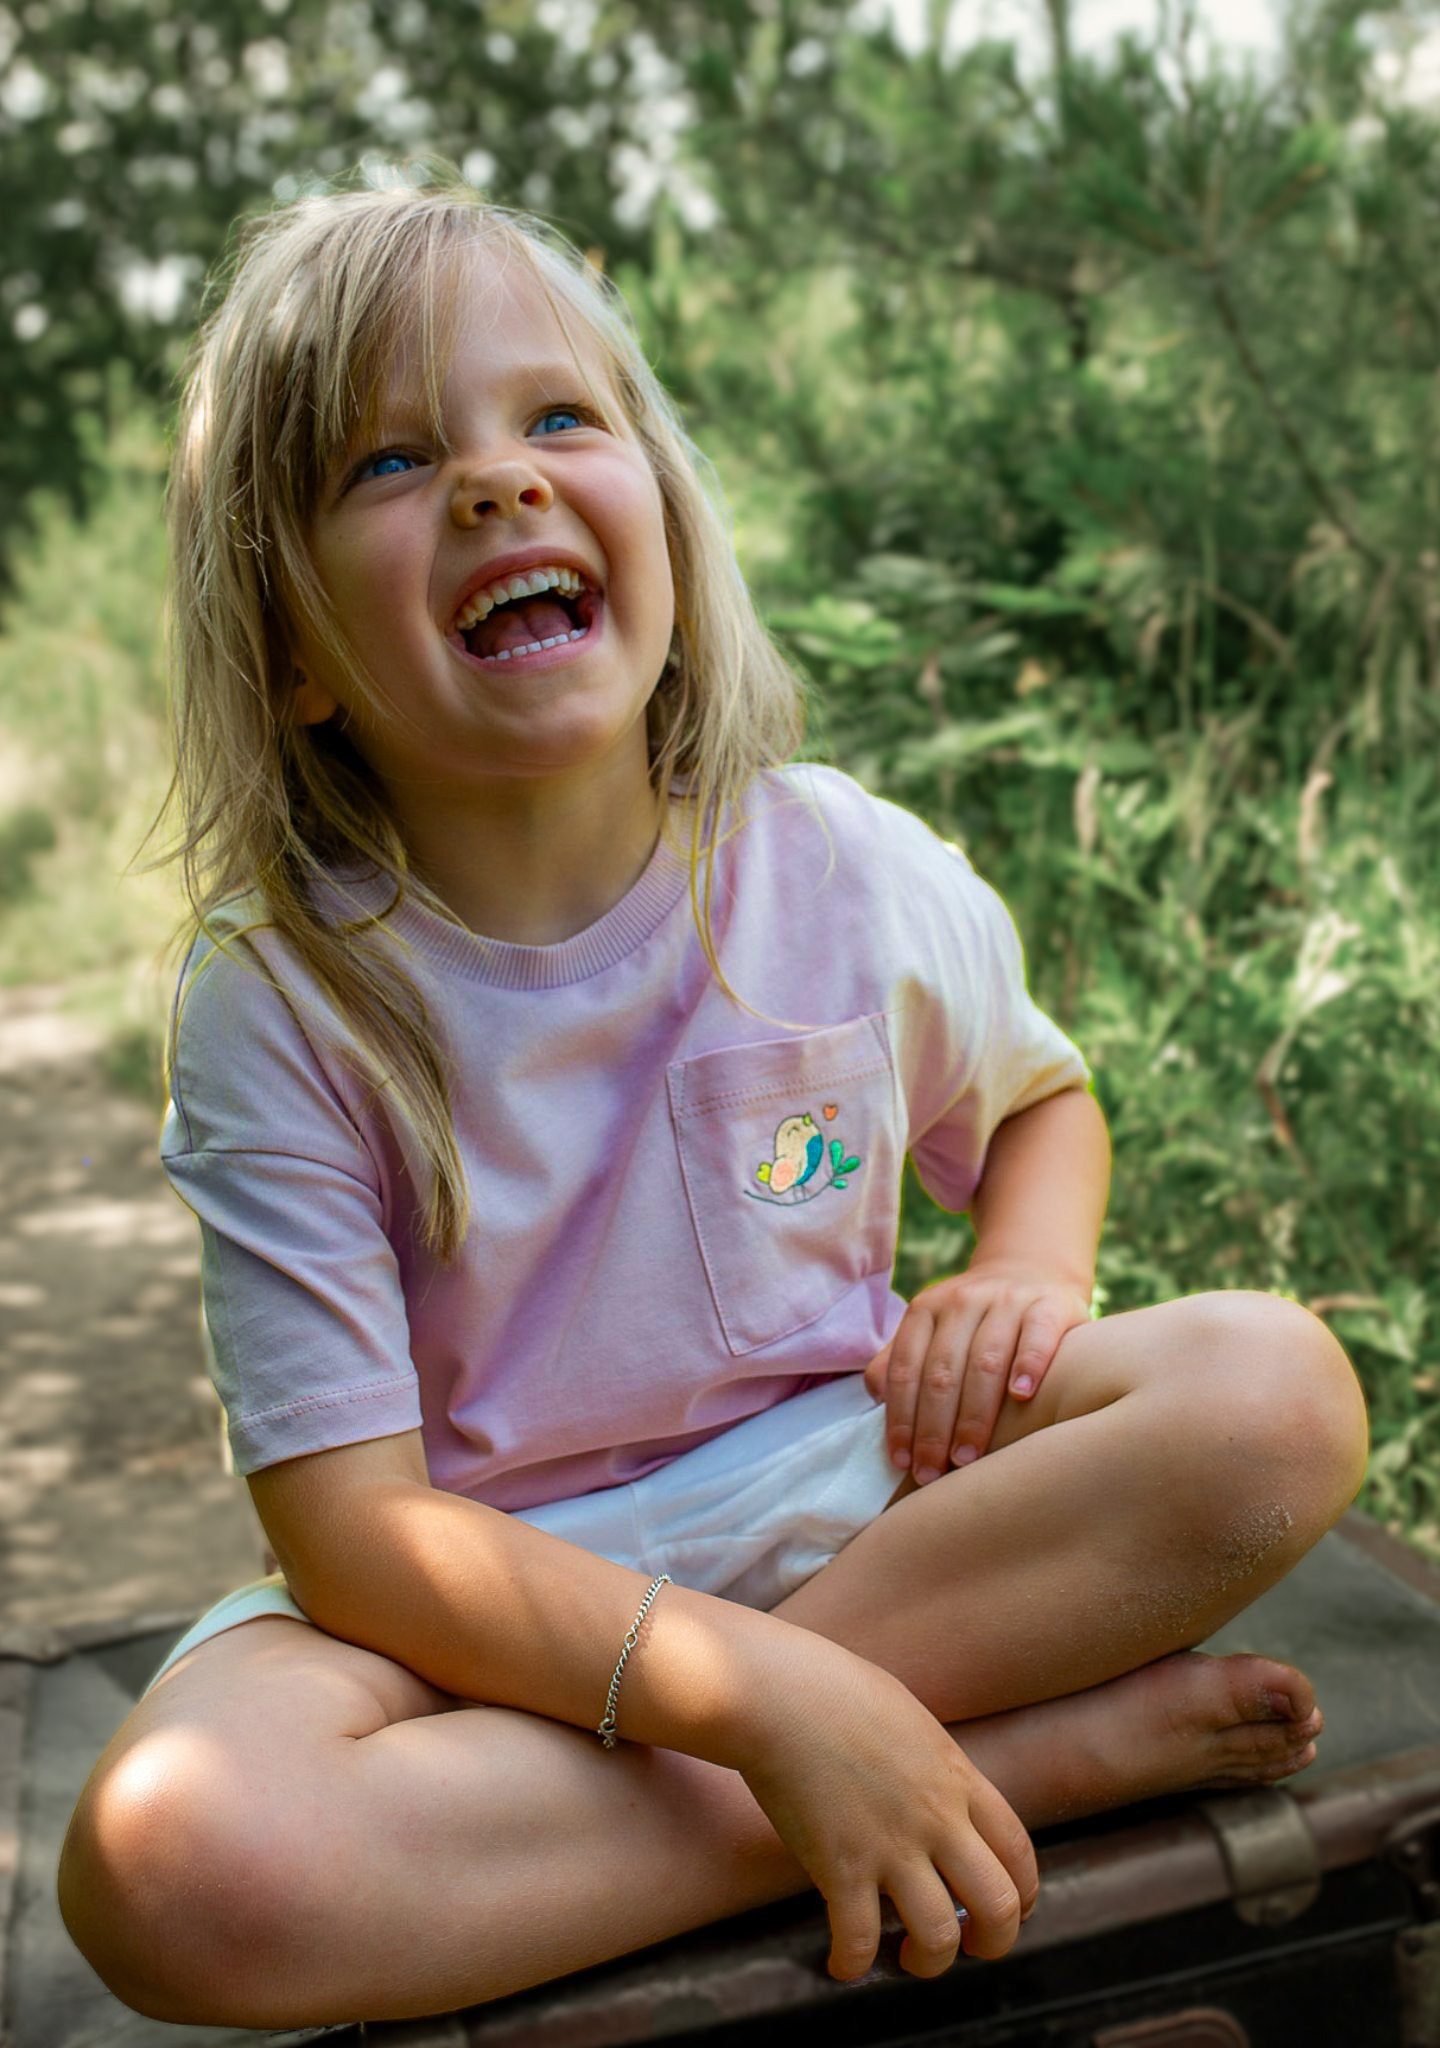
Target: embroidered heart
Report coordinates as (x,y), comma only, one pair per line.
(830,1109)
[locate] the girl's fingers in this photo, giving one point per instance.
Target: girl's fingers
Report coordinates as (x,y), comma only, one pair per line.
(996,1821)
(941,1390)
(987,1373)
(1040,1336)
(985,1888)
(902,1382)
(932,1938)
(854,1931)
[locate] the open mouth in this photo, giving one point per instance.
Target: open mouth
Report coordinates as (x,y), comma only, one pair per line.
(532,632)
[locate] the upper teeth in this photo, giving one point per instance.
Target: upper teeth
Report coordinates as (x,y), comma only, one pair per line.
(480,603)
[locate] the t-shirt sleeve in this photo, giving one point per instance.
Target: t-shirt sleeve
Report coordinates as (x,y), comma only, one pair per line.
(301,1286)
(972,1045)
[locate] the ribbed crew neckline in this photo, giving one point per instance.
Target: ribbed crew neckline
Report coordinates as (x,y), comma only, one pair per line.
(505,964)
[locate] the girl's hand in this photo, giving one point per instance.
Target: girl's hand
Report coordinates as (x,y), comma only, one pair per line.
(868,1791)
(962,1343)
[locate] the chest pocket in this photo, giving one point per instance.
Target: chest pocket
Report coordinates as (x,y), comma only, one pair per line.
(791,1152)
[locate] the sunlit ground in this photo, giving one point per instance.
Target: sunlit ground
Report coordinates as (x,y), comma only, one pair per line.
(114,1499)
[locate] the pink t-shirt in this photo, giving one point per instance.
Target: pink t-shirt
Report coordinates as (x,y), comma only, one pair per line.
(682,1213)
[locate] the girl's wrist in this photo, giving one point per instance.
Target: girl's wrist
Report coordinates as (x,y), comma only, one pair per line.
(724,1682)
(710,1677)
(783,1677)
(1000,1264)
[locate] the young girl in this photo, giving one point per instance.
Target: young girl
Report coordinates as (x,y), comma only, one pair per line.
(542,1078)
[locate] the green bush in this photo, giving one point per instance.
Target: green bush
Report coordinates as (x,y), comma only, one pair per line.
(24,833)
(133,1062)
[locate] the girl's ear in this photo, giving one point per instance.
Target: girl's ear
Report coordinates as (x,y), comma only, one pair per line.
(310,702)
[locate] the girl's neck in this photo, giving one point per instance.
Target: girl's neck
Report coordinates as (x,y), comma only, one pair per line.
(533,872)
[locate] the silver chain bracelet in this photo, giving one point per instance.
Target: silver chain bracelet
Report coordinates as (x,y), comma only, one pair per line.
(606,1730)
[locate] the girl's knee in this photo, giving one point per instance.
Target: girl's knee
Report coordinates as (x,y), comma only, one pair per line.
(107,1891)
(1284,1389)
(167,1889)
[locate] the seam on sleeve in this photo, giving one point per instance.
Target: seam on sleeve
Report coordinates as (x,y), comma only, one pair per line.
(344,1397)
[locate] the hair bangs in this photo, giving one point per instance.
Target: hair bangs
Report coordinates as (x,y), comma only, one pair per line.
(379,305)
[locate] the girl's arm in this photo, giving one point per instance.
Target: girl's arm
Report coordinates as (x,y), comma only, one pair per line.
(491,1609)
(858,1779)
(1041,1199)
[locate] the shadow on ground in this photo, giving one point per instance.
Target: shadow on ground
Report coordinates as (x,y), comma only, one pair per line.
(114,1497)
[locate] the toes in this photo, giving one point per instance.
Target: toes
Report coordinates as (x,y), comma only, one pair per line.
(1288,1766)
(1260,1745)
(1296,1733)
(1262,1772)
(1266,1691)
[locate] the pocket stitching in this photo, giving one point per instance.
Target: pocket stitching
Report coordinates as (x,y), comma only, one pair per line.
(781,1090)
(881,1054)
(700,1239)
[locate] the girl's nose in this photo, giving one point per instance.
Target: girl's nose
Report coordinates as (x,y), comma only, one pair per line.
(501,487)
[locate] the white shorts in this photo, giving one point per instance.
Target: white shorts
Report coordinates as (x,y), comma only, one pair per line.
(749,1515)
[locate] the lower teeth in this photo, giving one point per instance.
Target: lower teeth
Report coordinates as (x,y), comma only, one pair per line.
(536,646)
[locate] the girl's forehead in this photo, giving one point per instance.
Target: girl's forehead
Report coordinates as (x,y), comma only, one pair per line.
(493,331)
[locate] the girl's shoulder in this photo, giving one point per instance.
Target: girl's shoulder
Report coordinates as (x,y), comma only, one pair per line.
(242,987)
(870,835)
(231,951)
(877,876)
(256,1058)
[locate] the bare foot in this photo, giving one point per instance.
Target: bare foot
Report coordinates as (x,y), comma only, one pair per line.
(1185,1723)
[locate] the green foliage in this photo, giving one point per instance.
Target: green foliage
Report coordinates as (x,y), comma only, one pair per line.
(82,741)
(132,137)
(81,678)
(133,1061)
(23,833)
(1108,428)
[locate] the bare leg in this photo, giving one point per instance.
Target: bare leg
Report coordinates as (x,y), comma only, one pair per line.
(483,1850)
(456,1856)
(1207,1444)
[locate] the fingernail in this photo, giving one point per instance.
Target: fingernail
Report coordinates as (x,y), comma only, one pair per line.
(924,1474)
(1023,1385)
(900,1458)
(963,1453)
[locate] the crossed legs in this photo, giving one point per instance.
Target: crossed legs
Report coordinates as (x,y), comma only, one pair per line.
(293,1830)
(1176,1462)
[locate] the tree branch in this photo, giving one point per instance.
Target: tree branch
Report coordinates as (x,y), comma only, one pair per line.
(1319,489)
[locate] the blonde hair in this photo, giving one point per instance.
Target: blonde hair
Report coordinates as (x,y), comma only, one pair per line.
(315,302)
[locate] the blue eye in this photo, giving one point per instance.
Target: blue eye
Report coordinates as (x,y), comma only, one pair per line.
(576,413)
(373,465)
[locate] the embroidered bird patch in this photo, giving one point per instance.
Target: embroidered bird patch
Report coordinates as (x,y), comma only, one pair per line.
(791,1175)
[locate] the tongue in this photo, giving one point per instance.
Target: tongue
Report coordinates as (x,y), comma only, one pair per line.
(516,625)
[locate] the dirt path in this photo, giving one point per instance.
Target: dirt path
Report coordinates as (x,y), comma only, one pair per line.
(114,1501)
